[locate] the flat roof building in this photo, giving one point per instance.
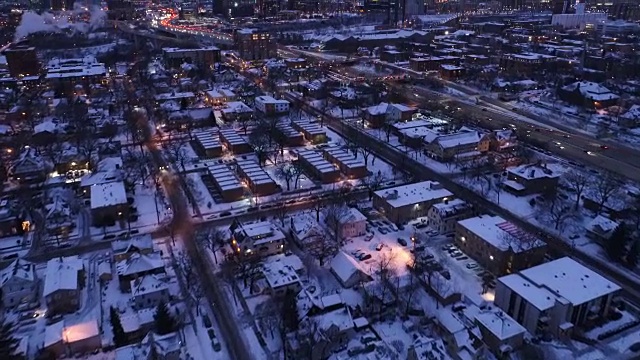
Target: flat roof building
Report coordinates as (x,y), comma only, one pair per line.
(555,297)
(407,202)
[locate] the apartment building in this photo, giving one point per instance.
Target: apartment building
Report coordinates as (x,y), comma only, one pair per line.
(407,202)
(444,216)
(498,245)
(555,297)
(257,239)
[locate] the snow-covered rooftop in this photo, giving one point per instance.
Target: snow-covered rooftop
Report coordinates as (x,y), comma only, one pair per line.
(79,332)
(565,279)
(414,193)
(535,171)
(500,324)
(501,233)
(18,268)
(108,194)
(591,90)
(278,274)
(62,274)
(139,263)
(345,266)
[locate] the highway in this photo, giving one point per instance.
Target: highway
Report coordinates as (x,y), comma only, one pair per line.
(536,130)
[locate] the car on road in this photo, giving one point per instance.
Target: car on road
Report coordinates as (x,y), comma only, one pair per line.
(484,109)
(252,209)
(206,321)
(604,147)
(402,241)
(566,136)
(265,206)
(290,201)
(588,152)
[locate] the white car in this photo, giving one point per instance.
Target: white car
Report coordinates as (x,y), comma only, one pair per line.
(379,246)
(472,266)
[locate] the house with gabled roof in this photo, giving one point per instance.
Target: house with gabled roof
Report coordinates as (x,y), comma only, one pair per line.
(29,168)
(136,266)
(19,283)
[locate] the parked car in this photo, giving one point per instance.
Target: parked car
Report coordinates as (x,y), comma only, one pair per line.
(365,257)
(383,230)
(447,247)
(462,258)
(472,266)
(402,241)
(206,321)
(357,253)
(379,246)
(446,274)
(215,344)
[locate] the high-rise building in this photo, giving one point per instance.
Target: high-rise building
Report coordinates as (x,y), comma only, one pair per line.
(22,60)
(234,8)
(397,11)
(253,44)
(58,5)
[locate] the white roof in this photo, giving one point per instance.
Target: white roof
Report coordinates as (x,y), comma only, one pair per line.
(278,274)
(591,90)
(500,324)
(108,194)
(81,331)
(413,193)
(62,274)
(146,285)
(270,100)
(541,298)
(499,232)
(261,232)
(139,263)
(378,109)
(18,268)
(602,225)
(535,171)
(53,333)
(353,215)
(570,280)
(345,266)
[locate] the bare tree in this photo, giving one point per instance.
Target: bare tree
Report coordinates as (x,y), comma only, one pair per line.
(177,152)
(366,151)
(286,172)
(523,244)
(408,291)
(297,170)
(281,213)
(605,187)
(334,216)
(214,239)
(321,247)
(577,181)
(442,287)
(372,183)
(386,272)
(556,211)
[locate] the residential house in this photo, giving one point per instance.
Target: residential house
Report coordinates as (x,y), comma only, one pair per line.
(64,279)
(399,112)
(631,117)
(29,168)
(448,146)
(153,346)
(19,283)
(350,223)
(556,297)
(498,245)
(425,348)
(503,140)
(58,217)
(376,115)
(236,111)
(108,203)
(500,332)
(444,216)
(219,96)
(329,323)
(588,94)
(137,266)
(270,106)
(305,231)
(62,339)
(125,248)
(348,270)
(601,228)
(407,202)
(260,238)
(148,291)
(280,278)
(12,221)
(532,179)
